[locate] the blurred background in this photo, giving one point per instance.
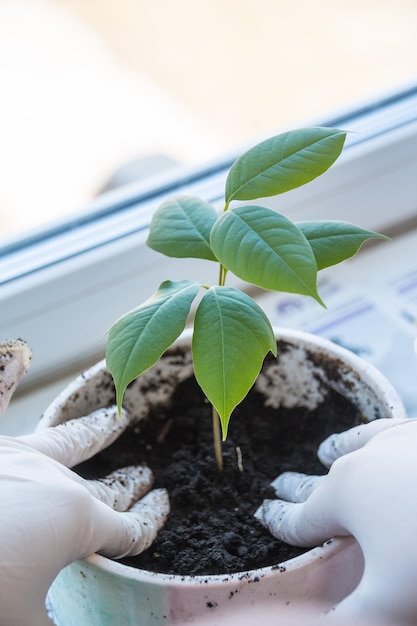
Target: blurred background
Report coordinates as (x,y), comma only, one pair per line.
(90,86)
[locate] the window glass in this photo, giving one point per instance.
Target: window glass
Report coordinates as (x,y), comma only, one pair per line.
(134,87)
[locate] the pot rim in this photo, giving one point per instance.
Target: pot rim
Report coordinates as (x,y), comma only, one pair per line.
(321,553)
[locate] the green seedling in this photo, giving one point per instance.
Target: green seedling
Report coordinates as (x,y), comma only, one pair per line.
(231,333)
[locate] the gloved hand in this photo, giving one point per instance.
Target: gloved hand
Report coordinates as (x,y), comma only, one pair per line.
(370,492)
(49,516)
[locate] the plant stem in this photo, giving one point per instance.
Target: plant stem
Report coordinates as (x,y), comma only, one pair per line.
(222,275)
(217,439)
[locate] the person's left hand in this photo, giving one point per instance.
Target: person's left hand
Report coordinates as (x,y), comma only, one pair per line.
(50,516)
(369,493)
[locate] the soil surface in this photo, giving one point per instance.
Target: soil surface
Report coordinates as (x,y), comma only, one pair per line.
(211,528)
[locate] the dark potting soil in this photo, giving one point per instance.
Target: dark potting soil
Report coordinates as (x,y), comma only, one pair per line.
(211,528)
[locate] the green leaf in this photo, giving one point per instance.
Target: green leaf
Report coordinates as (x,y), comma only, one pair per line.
(139,338)
(232,336)
(265,248)
(333,242)
(283,162)
(180,228)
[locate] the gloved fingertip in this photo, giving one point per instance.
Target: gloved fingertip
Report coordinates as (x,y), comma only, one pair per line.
(136,472)
(19,348)
(158,501)
(136,480)
(271,514)
(259,514)
(328,451)
(295,486)
(109,417)
(262,512)
(285,484)
(106,422)
(15,358)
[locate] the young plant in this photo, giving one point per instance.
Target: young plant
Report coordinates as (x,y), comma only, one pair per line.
(232,335)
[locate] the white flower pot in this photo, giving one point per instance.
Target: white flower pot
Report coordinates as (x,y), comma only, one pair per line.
(100,592)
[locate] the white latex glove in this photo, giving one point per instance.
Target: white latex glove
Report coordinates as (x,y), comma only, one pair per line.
(49,516)
(370,492)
